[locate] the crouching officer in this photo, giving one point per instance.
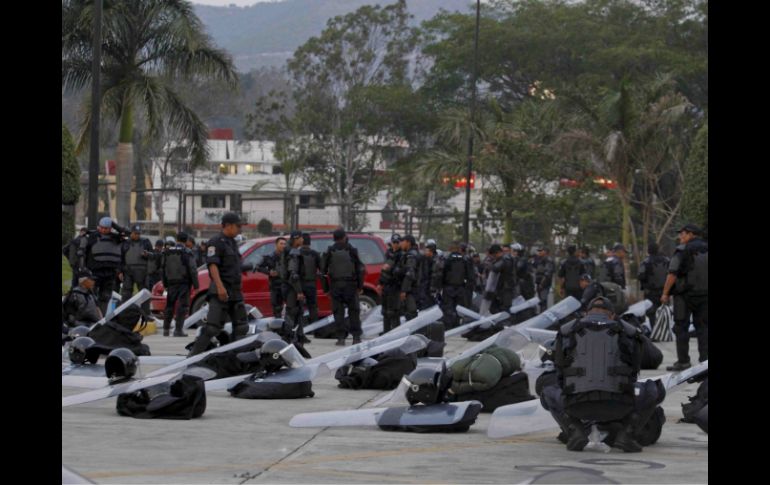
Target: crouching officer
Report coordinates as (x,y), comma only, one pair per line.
(224,264)
(597,361)
(79,306)
(346,272)
(179,272)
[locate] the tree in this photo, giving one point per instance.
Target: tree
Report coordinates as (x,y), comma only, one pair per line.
(696,189)
(70,184)
(146,45)
(348,86)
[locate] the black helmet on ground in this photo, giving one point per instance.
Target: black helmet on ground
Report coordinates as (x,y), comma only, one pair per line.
(428,385)
(120,365)
(270,355)
(78,351)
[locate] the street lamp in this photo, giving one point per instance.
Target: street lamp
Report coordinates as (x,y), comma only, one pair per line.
(467,216)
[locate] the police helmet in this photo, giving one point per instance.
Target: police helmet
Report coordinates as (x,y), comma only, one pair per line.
(428,385)
(270,354)
(120,365)
(516,247)
(78,351)
(79,331)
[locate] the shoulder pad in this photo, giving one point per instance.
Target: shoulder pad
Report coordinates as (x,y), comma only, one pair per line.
(566,329)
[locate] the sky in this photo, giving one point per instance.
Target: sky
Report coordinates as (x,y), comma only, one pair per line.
(224,3)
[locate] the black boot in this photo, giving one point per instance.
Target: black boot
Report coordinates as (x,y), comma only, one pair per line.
(179,333)
(624,440)
(678,366)
(166,327)
(577,438)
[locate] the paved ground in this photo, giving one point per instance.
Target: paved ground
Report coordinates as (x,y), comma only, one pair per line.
(249,441)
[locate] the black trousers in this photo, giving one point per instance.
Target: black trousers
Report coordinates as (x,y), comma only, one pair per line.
(277,299)
(104,286)
(408,306)
(178,294)
(215,322)
(654,297)
(684,307)
(390,308)
(311,300)
(135,277)
(345,295)
(451,296)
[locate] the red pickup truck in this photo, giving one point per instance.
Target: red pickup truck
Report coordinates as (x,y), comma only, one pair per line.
(256,291)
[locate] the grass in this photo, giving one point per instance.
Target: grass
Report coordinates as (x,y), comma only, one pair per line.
(66,275)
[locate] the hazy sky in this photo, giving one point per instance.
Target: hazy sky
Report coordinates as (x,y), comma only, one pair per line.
(223,3)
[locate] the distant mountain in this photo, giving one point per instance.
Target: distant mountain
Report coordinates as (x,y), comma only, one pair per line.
(266,34)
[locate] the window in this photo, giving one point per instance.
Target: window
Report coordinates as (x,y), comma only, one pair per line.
(213,201)
(256,256)
(251,168)
(277,170)
(311,201)
(228,168)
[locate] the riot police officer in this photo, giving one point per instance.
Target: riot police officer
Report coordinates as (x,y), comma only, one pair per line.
(524,272)
(569,274)
(652,277)
(274,265)
(597,361)
(101,252)
(426,264)
(137,251)
(224,295)
(79,306)
(179,272)
(501,264)
(310,268)
(475,260)
(451,276)
(544,269)
(612,268)
(293,288)
(153,265)
(408,274)
(346,274)
(687,280)
(588,261)
(389,285)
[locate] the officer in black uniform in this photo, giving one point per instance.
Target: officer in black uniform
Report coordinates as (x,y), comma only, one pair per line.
(389,285)
(274,265)
(70,251)
(613,269)
(346,274)
(427,263)
(224,295)
(597,361)
(292,284)
(79,306)
(451,276)
(588,261)
(478,267)
(544,269)
(687,280)
(195,250)
(311,267)
(408,274)
(569,274)
(101,252)
(137,251)
(501,264)
(153,265)
(179,272)
(524,272)
(652,277)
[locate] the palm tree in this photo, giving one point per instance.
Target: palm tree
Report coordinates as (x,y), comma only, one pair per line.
(147,44)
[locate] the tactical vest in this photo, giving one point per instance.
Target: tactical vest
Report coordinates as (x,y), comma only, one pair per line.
(507,273)
(106,252)
(454,270)
(341,266)
(698,268)
(309,265)
(593,350)
(572,274)
(134,254)
(176,261)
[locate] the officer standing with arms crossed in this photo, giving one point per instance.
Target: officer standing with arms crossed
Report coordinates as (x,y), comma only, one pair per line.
(346,274)
(687,280)
(224,264)
(407,273)
(273,265)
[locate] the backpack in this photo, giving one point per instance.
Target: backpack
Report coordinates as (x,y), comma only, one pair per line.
(508,390)
(184,398)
